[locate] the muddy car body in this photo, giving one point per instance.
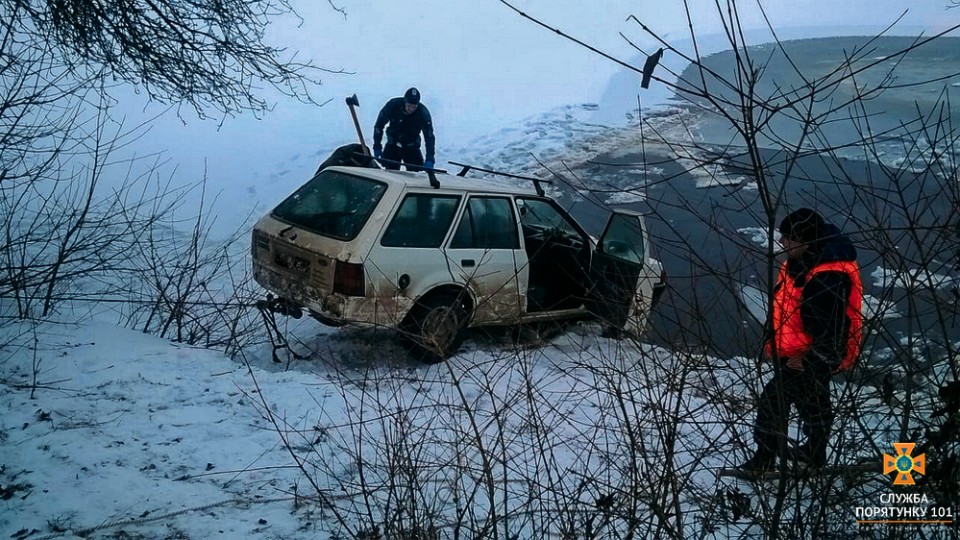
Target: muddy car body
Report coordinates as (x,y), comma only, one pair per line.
(387,248)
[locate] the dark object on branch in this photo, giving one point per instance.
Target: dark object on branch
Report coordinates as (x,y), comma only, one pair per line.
(887,390)
(648,66)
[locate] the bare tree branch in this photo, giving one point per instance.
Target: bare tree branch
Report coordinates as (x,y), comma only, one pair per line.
(210,54)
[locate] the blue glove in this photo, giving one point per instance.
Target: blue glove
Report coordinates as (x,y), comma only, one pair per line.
(428,164)
(377,151)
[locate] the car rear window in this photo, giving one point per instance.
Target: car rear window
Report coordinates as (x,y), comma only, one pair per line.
(332,204)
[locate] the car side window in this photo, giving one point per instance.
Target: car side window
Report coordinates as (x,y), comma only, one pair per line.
(623,238)
(421,221)
(487,223)
(539,214)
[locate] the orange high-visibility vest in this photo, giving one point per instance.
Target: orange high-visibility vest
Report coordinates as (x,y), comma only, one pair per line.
(789,336)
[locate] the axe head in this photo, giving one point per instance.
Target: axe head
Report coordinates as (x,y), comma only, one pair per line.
(353,101)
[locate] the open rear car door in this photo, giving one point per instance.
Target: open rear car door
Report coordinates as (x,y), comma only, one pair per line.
(623,276)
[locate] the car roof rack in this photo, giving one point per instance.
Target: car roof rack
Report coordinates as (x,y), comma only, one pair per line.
(536,181)
(431,173)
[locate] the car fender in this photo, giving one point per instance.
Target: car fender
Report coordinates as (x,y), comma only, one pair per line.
(451,288)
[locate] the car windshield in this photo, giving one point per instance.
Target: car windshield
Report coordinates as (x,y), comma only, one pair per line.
(332,204)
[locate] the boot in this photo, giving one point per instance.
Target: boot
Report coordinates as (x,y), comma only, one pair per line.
(757,465)
(806,455)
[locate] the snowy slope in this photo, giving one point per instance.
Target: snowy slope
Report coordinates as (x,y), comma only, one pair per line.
(125,432)
(124,425)
(109,433)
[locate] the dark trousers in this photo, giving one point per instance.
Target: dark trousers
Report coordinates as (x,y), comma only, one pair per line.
(809,392)
(409,155)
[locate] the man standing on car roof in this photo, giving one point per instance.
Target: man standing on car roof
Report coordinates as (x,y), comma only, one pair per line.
(817,326)
(407,118)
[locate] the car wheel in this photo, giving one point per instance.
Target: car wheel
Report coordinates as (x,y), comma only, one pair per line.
(434,330)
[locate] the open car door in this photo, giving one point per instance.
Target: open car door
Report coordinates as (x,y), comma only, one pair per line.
(623,277)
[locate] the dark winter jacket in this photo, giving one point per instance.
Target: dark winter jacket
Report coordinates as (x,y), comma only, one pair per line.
(404,129)
(825,297)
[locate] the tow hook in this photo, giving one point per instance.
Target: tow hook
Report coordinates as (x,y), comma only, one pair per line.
(281,306)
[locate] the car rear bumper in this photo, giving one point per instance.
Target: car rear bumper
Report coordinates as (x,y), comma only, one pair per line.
(332,308)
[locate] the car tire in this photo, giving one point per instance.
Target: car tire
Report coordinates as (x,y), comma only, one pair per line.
(435,328)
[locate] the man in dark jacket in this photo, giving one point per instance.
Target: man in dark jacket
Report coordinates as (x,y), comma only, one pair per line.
(405,118)
(816,332)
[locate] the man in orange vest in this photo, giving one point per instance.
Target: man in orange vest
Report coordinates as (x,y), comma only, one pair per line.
(817,324)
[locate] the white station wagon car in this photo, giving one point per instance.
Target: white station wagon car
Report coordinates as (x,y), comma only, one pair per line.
(395,249)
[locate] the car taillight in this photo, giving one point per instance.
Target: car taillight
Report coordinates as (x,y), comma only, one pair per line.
(348,279)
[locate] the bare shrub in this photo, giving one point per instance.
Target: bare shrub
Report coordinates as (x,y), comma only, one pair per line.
(208,54)
(86,225)
(189,287)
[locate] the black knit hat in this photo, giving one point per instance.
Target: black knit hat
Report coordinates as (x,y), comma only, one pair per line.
(803,225)
(412,96)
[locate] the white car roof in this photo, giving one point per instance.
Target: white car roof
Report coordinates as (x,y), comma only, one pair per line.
(448,182)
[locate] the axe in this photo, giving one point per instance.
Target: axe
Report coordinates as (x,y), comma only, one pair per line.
(352,102)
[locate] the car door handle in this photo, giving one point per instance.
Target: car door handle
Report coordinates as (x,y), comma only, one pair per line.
(468,263)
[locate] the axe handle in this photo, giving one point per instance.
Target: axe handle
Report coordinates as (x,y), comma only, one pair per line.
(356,122)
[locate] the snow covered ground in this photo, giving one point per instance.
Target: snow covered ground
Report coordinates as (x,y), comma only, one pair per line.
(109,433)
(113,434)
